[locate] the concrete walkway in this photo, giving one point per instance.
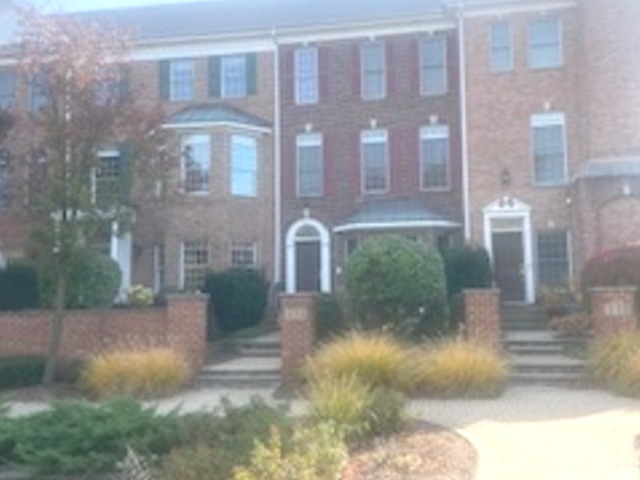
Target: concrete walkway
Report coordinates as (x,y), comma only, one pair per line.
(530,433)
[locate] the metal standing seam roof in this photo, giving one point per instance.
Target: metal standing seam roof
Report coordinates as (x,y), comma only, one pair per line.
(395,213)
(610,167)
(220,17)
(215,113)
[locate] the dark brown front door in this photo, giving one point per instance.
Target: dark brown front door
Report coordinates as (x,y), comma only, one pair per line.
(508,261)
(308,266)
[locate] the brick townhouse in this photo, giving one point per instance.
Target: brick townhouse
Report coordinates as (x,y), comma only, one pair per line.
(307,126)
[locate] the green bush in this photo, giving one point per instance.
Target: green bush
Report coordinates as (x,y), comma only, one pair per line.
(393,281)
(360,411)
(329,317)
(19,287)
(313,453)
(20,371)
(237,298)
(466,267)
(94,281)
(75,437)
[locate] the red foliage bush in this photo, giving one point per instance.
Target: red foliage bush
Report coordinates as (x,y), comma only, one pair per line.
(619,267)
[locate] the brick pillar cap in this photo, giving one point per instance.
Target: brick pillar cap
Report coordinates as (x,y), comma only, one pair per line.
(187,296)
(473,291)
(624,288)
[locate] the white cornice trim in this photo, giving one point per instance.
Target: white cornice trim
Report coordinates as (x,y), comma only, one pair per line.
(205,125)
(364,226)
(507,7)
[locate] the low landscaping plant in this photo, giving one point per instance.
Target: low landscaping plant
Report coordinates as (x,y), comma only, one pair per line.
(140,296)
(572,325)
(20,371)
(615,363)
(329,316)
(358,409)
(140,373)
(19,288)
(454,368)
(613,268)
(377,359)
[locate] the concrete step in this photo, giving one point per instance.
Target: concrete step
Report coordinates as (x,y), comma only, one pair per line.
(241,372)
(537,349)
(519,327)
(559,379)
(238,381)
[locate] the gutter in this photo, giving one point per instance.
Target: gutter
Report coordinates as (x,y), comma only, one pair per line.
(277,164)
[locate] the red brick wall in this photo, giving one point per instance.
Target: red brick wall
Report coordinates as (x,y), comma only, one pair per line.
(181,325)
(613,311)
(482,317)
(297,327)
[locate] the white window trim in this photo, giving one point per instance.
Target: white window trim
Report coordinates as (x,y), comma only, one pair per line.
(511,48)
(254,249)
(297,76)
(172,93)
(385,72)
(183,170)
(157,287)
(94,178)
(445,90)
(363,134)
(560,45)
(549,119)
(309,140)
(182,264)
(255,143)
(435,132)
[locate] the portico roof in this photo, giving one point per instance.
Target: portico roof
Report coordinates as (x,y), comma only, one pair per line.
(628,166)
(212,114)
(391,214)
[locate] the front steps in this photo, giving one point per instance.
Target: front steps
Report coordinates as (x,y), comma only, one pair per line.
(537,354)
(243,363)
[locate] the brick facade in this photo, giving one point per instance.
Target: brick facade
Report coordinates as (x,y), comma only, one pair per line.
(297,330)
(482,317)
(181,326)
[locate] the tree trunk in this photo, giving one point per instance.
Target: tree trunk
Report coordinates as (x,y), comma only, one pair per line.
(55,332)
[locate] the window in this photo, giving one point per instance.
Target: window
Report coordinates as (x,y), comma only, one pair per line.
(7,89)
(106,186)
(351,245)
(244,166)
(244,255)
(310,165)
(234,76)
(434,157)
(182,80)
(5,197)
(306,75)
(373,74)
(501,48)
(374,161)
(553,258)
(159,268)
(549,149)
(545,43)
(196,163)
(195,262)
(433,66)
(38,97)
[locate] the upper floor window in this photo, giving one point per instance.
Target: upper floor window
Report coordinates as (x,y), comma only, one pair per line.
(306,75)
(244,166)
(375,165)
(549,149)
(244,255)
(182,80)
(7,89)
(233,76)
(434,157)
(501,47)
(545,43)
(553,258)
(195,262)
(38,96)
(196,163)
(433,66)
(310,165)
(106,178)
(373,75)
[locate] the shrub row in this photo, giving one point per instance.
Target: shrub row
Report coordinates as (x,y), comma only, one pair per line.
(615,363)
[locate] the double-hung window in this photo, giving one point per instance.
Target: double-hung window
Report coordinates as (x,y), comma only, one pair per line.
(549,149)
(373,75)
(195,262)
(306,75)
(433,66)
(159,267)
(545,43)
(310,165)
(501,47)
(7,89)
(434,157)
(182,80)
(196,163)
(244,166)
(233,70)
(375,165)
(107,179)
(244,255)
(553,258)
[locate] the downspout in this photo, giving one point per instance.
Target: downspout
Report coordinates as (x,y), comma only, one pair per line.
(463,122)
(277,152)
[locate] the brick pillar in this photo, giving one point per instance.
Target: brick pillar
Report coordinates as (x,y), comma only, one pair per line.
(187,326)
(297,325)
(613,311)
(482,317)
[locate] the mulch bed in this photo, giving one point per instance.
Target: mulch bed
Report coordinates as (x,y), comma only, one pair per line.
(423,452)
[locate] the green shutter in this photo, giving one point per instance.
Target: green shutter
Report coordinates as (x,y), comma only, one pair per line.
(214,77)
(125,178)
(123,83)
(164,77)
(252,74)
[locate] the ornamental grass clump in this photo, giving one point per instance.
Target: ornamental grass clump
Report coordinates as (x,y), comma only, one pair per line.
(615,363)
(377,359)
(455,368)
(139,373)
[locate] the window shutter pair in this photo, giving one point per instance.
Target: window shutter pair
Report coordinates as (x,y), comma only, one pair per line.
(215,70)
(165,79)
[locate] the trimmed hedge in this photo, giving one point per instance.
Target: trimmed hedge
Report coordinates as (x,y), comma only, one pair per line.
(237,298)
(20,371)
(619,267)
(466,267)
(19,288)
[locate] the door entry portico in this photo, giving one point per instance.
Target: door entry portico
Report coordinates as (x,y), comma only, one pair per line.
(508,263)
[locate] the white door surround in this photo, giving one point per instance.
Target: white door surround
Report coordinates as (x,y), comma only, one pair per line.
(510,214)
(295,235)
